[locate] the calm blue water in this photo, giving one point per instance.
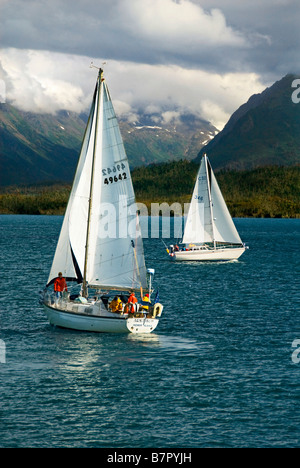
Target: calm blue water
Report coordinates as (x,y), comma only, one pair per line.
(218,372)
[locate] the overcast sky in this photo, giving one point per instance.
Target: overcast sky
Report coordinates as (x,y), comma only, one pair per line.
(204,56)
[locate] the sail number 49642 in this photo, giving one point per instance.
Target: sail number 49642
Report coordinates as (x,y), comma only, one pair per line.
(114,174)
(111,180)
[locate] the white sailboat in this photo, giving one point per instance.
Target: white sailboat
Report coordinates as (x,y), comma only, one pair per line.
(100,246)
(209,234)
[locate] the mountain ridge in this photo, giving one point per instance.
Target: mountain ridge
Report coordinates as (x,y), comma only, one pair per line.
(263,131)
(44,148)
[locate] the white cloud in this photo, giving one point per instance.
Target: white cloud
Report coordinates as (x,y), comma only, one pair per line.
(170,116)
(47,82)
(172,25)
(166,55)
(211,96)
(44,81)
(144,31)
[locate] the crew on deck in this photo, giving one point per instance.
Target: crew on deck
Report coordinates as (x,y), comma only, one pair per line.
(60,285)
(146,299)
(132,300)
(116,305)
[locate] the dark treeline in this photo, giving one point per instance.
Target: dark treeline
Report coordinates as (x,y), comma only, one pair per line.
(47,200)
(262,192)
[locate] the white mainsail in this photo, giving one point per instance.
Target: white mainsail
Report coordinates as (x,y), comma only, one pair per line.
(199,227)
(100,241)
(208,218)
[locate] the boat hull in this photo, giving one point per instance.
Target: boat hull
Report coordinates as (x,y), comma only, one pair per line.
(99,324)
(218,255)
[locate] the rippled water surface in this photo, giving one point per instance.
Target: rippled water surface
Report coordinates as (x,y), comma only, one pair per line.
(218,372)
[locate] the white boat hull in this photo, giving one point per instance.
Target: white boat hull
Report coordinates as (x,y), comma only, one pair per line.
(218,255)
(100,323)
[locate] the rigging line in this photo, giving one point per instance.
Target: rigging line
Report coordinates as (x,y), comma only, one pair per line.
(164,244)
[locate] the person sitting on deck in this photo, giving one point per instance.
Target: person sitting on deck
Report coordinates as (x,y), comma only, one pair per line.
(116,305)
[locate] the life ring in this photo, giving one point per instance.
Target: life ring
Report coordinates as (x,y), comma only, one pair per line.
(157,310)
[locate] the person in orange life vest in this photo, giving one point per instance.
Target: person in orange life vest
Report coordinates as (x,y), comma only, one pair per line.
(132,300)
(60,285)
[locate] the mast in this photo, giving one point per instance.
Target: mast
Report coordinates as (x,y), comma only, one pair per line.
(210,200)
(84,283)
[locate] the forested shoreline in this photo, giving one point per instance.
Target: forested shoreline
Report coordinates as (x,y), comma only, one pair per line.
(272,192)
